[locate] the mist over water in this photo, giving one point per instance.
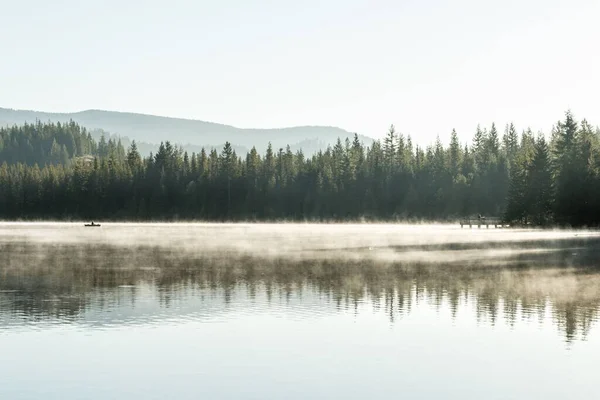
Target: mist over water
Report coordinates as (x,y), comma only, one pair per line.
(297,311)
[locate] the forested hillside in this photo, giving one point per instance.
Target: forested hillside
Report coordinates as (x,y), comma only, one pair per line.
(152,129)
(523,177)
(51,143)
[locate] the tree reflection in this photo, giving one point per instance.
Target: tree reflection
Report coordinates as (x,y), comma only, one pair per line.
(44,282)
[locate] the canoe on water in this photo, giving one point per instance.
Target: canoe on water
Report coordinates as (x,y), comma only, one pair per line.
(92,224)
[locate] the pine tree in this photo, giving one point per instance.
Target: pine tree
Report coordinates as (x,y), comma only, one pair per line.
(389,148)
(567,182)
(510,142)
(103,147)
(54,152)
(539,184)
(517,202)
(479,147)
(493,143)
(454,154)
(134,160)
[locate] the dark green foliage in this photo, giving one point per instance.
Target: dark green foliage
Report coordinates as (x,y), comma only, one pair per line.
(44,144)
(526,181)
(539,184)
(557,183)
(567,176)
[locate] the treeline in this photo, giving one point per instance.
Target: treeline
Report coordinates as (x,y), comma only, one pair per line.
(522,177)
(51,143)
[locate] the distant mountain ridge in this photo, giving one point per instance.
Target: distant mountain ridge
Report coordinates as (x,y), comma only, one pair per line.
(154,129)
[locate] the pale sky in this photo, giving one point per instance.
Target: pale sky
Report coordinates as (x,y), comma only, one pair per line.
(425,66)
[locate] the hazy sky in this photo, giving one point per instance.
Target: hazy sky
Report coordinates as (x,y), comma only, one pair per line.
(426,66)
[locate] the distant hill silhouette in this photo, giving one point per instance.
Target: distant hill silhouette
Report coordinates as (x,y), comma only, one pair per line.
(192,134)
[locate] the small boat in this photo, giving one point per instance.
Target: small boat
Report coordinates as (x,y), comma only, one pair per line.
(92,224)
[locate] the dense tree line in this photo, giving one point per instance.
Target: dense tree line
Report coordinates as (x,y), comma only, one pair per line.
(48,143)
(522,177)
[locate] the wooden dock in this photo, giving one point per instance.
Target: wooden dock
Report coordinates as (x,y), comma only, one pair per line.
(487,222)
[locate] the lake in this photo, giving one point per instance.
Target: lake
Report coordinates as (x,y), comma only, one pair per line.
(297,311)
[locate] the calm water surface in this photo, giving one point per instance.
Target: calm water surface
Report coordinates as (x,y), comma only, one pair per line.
(301,311)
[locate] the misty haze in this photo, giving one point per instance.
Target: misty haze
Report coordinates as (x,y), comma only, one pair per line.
(353,308)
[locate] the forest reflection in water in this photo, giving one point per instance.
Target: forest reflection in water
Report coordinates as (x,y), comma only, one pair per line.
(500,282)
